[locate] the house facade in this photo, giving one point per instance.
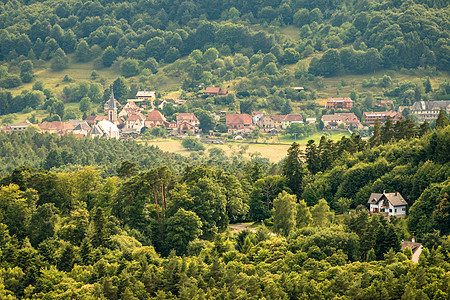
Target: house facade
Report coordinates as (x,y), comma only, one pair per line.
(344,103)
(429,110)
(389,204)
(371,116)
(155,119)
(187,122)
(291,118)
(135,122)
(266,123)
(239,123)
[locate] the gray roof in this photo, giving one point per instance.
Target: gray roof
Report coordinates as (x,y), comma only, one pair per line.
(395,199)
(430,105)
(83,126)
(96,130)
(374,197)
(112,101)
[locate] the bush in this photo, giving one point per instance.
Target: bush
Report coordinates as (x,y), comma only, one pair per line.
(129,67)
(192,143)
(10,81)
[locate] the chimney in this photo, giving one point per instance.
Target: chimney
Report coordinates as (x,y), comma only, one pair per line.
(395,193)
(384,191)
(413,240)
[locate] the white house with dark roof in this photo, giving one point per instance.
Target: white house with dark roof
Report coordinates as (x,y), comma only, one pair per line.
(389,204)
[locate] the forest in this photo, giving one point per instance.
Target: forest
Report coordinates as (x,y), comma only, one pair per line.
(232,43)
(148,231)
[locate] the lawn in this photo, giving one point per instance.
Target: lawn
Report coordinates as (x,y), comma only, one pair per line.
(272,152)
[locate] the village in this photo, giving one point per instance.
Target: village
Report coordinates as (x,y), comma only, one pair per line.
(144,112)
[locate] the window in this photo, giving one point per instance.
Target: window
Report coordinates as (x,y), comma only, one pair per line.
(404,209)
(395,210)
(390,210)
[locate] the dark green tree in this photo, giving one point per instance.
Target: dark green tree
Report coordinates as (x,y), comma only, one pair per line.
(83,52)
(442,120)
(59,61)
(109,56)
(183,227)
(292,167)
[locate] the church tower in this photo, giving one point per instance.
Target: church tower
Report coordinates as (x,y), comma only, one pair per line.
(112,109)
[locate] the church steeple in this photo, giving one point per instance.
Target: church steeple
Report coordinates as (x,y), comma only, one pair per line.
(112,108)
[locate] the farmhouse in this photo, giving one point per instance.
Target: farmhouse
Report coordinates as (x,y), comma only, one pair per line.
(187,122)
(266,123)
(388,204)
(239,123)
(155,119)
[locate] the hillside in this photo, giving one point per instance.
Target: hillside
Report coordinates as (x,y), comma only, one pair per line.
(258,51)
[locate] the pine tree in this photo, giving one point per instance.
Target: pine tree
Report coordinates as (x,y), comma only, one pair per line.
(292,167)
(99,236)
(442,120)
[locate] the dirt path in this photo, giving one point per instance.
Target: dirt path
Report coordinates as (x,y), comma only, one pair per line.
(242,226)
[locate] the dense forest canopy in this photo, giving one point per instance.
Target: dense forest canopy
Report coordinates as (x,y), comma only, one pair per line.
(162,233)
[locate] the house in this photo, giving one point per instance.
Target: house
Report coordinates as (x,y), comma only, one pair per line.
(277,120)
(155,119)
(239,123)
(129,109)
(105,129)
(416,249)
(188,118)
(371,116)
(429,110)
(135,122)
(389,204)
(146,95)
(215,91)
(19,126)
(334,121)
(266,123)
(56,127)
(291,118)
(187,122)
(344,103)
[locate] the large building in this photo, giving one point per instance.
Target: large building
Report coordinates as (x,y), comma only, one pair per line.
(371,116)
(429,110)
(350,120)
(344,103)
